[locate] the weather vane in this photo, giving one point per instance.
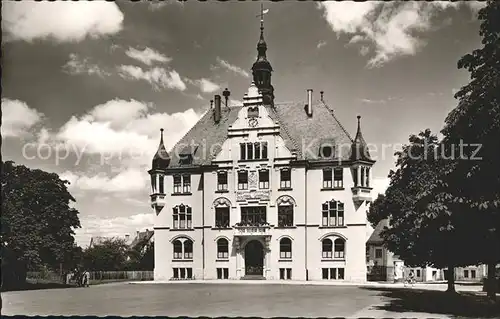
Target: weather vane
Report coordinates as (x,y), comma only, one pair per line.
(261,15)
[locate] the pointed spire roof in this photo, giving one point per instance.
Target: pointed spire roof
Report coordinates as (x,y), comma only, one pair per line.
(262,45)
(161,160)
(359,150)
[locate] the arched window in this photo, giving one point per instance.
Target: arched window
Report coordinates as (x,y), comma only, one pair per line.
(327,248)
(253,112)
(188,249)
(222,249)
(339,251)
(285,248)
(333,213)
(182,217)
(177,249)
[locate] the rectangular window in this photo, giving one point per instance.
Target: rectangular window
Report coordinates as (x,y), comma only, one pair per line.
(418,273)
(186,183)
(182,273)
(222,181)
(253,216)
(189,273)
(338,177)
(289,273)
(222,217)
(333,273)
(176,273)
(264,150)
(327,178)
(282,273)
(162,189)
(367,177)
(264,179)
(362,175)
(242,180)
(243,151)
(177,184)
(250,151)
(378,253)
(340,214)
(325,273)
(325,215)
(473,274)
(226,273)
(176,221)
(466,273)
(285,178)
(285,216)
(257,150)
(340,274)
(219,273)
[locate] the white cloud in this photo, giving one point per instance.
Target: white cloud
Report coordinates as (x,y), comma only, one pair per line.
(61,20)
(130,180)
(123,135)
(18,118)
(147,56)
(93,226)
(207,86)
(77,65)
(321,44)
(391,27)
(157,77)
(233,68)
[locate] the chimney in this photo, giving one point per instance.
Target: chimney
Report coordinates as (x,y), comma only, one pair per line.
(308,108)
(321,95)
(217,109)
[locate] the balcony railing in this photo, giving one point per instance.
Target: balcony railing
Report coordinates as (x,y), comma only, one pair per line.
(257,229)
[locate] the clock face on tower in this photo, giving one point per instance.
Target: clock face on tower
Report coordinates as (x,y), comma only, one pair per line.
(253,122)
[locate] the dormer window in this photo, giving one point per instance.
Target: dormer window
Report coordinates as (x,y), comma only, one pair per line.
(327,151)
(253,112)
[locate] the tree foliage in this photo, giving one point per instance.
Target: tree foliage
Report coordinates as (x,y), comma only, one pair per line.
(110,255)
(443,200)
(37,219)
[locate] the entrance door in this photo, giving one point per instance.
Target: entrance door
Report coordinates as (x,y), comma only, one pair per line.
(254,258)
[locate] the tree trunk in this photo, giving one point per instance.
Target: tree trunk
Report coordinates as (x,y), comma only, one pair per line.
(450,274)
(491,285)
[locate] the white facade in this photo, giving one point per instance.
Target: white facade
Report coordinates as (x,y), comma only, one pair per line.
(192,245)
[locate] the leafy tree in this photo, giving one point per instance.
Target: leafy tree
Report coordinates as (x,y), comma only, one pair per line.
(110,255)
(476,120)
(37,222)
(422,226)
(141,256)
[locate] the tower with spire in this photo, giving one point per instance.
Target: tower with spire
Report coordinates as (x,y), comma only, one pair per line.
(361,167)
(262,69)
(159,165)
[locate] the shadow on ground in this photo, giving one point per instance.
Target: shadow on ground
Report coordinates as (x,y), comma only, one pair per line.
(438,302)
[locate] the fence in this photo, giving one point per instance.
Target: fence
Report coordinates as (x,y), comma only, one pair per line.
(95,276)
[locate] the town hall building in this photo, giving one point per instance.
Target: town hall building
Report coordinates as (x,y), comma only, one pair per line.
(263,190)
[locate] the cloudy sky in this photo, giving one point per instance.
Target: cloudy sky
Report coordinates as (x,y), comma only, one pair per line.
(88,85)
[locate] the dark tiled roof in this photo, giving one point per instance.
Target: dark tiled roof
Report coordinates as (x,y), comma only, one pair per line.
(359,148)
(375,238)
(145,235)
(299,132)
(206,133)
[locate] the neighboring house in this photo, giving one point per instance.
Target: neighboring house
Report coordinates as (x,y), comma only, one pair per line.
(97,240)
(143,239)
(471,273)
(262,190)
(383,265)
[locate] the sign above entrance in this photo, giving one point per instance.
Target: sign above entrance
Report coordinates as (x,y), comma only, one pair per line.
(253,195)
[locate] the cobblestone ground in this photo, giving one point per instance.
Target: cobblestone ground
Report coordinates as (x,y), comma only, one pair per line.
(195,299)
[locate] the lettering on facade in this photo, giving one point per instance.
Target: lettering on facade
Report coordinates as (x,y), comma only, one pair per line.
(253,195)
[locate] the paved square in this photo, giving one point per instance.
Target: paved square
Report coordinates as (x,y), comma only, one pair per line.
(192,299)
